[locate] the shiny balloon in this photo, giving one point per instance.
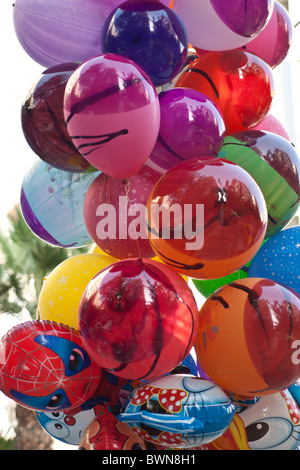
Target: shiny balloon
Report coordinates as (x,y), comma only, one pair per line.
(45,367)
(279,259)
(138,319)
(207,218)
(62,289)
(248,340)
(191,125)
(61,30)
(215,25)
(114,214)
(43,122)
(239,83)
(112,114)
(275,165)
(150,34)
(52,204)
(272,124)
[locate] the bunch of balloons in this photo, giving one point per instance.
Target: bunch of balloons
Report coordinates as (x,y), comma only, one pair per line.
(156,148)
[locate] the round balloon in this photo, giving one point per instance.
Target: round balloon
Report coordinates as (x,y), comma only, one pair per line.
(178,411)
(138,319)
(273,423)
(239,83)
(43,122)
(106,432)
(63,288)
(206,217)
(52,204)
(45,367)
(61,30)
(248,340)
(190,126)
(112,114)
(275,165)
(279,259)
(273,43)
(215,25)
(114,214)
(150,34)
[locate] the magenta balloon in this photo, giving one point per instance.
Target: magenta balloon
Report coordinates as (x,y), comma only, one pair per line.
(57,31)
(273,43)
(191,125)
(112,113)
(271,124)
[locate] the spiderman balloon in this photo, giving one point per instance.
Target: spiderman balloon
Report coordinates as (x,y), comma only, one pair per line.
(44,367)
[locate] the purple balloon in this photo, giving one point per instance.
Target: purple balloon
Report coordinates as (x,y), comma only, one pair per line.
(58,31)
(241,19)
(191,126)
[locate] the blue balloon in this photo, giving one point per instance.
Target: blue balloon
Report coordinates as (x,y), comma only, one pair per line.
(52,204)
(279,259)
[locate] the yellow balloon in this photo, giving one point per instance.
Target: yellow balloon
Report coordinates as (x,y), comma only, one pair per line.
(63,288)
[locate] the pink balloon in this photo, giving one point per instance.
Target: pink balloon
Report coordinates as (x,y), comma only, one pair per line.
(271,124)
(112,114)
(113,217)
(273,43)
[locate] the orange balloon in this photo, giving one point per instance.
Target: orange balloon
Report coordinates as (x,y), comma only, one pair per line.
(248,336)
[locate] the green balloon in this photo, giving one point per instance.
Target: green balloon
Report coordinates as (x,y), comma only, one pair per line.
(209,286)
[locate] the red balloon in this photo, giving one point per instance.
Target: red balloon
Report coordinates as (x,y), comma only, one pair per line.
(239,83)
(114,214)
(106,432)
(207,217)
(44,367)
(138,319)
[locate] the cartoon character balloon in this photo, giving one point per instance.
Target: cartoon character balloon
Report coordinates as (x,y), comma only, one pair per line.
(279,259)
(191,125)
(178,411)
(248,337)
(114,213)
(43,122)
(206,217)
(106,432)
(138,319)
(273,423)
(275,165)
(151,34)
(61,31)
(239,83)
(112,114)
(45,367)
(215,25)
(52,204)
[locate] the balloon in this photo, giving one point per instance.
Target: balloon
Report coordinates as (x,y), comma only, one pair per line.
(215,25)
(273,423)
(61,30)
(44,367)
(114,214)
(239,83)
(63,288)
(178,411)
(275,165)
(112,113)
(279,259)
(52,204)
(271,124)
(43,122)
(150,34)
(273,43)
(190,126)
(248,337)
(206,287)
(206,218)
(106,432)
(138,319)
(64,427)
